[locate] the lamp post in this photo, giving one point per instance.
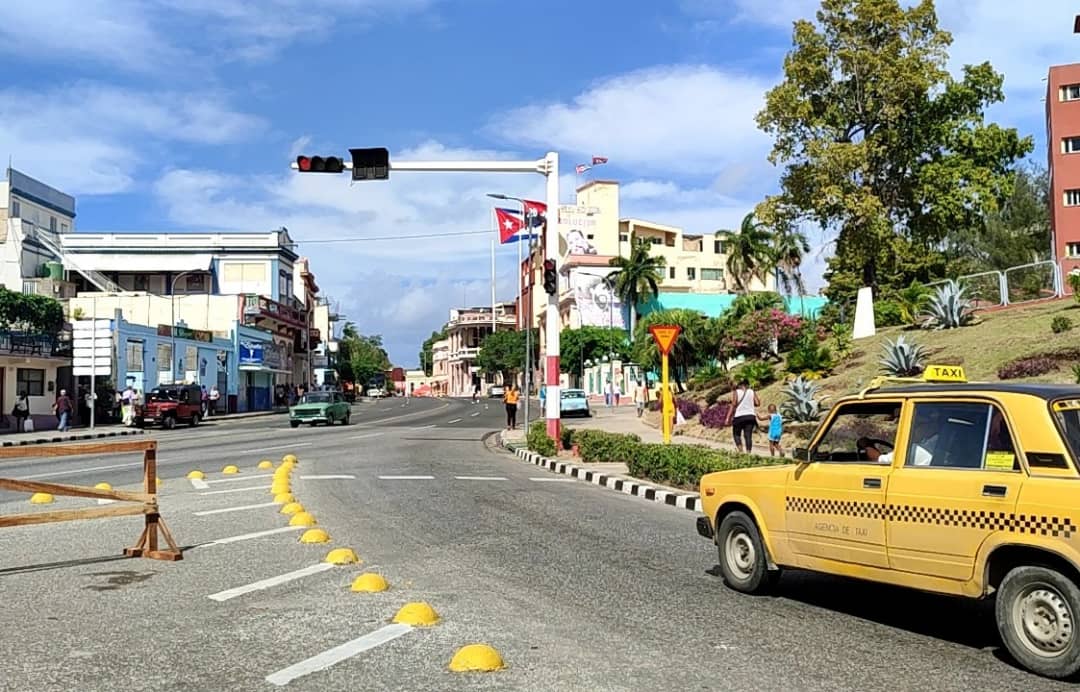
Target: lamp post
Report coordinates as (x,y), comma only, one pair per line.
(172,322)
(611,328)
(586,364)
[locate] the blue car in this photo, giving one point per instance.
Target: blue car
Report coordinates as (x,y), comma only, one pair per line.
(574,403)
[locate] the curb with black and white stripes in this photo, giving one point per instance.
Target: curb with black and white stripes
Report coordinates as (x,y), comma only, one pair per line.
(688,501)
(71,438)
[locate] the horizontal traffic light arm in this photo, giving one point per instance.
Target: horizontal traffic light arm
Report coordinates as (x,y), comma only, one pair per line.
(458,166)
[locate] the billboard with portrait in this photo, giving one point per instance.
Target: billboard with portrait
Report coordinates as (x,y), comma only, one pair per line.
(595,303)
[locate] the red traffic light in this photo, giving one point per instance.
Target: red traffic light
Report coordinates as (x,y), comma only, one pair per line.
(320,164)
(303,163)
(549,265)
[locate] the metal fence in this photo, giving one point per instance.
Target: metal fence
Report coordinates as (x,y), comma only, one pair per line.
(1013,286)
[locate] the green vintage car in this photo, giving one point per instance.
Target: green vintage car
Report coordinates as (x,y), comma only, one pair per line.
(320,407)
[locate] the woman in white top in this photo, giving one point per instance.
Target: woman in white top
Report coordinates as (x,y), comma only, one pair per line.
(743,416)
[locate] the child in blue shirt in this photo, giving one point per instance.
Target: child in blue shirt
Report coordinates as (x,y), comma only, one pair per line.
(776,429)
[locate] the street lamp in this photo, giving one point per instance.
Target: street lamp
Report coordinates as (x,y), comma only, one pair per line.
(610,283)
(172,321)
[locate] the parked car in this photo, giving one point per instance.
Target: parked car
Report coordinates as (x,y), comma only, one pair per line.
(168,405)
(574,402)
(320,407)
(496,391)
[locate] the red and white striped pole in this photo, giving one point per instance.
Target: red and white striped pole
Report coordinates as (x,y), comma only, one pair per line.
(551,326)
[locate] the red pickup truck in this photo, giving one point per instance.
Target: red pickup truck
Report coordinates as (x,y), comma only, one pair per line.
(168,405)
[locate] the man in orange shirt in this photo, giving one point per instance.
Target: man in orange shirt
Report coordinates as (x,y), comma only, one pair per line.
(510,398)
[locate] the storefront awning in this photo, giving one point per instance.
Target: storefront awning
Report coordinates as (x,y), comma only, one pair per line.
(128,262)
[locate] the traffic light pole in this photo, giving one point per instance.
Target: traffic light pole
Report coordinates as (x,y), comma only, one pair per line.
(547,167)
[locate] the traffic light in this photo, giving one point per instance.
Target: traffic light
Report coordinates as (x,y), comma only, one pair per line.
(320,164)
(370,164)
(551,278)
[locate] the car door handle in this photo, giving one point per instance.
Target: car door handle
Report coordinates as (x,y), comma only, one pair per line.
(995,491)
(871,482)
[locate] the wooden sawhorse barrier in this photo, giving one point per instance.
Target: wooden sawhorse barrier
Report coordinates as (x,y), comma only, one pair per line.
(147,545)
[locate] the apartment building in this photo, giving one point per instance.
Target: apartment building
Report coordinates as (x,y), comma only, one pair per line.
(465,332)
(1063,154)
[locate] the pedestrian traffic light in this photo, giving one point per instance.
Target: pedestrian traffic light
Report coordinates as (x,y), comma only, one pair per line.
(320,164)
(370,164)
(551,277)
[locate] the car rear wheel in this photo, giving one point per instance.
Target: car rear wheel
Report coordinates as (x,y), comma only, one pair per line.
(1037,613)
(194,420)
(169,422)
(742,554)
(294,424)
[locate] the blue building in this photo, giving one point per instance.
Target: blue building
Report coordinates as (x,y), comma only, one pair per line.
(260,360)
(715,304)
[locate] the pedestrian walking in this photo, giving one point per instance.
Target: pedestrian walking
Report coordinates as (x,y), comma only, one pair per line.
(510,398)
(63,408)
(776,430)
(21,411)
(215,395)
(641,397)
(617,392)
(743,415)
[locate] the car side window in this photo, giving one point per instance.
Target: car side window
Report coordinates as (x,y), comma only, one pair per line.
(960,435)
(860,432)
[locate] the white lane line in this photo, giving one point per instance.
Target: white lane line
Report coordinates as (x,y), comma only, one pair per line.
(337,654)
(237,490)
(234,509)
(270,449)
(424,427)
(73,472)
(199,484)
(553,480)
(239,478)
(256,534)
(364,437)
(406,478)
(451,422)
(480,478)
(474,415)
(272,581)
(328,477)
(105,502)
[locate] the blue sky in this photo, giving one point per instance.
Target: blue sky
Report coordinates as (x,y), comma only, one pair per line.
(185,114)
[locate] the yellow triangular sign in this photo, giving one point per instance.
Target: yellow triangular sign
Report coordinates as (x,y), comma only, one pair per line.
(665,335)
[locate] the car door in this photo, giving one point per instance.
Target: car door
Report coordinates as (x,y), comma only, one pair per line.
(340,407)
(958,481)
(834,503)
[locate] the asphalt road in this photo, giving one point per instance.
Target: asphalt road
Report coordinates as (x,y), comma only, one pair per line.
(579,587)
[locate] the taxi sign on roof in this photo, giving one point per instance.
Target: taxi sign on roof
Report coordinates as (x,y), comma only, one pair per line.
(944,373)
(665,335)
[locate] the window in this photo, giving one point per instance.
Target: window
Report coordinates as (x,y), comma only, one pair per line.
(140,282)
(671,272)
(164,359)
(196,282)
(623,238)
(52,224)
(244,272)
(134,355)
(1070,145)
(1070,92)
(691,273)
(16,209)
(720,247)
(191,358)
(960,436)
(654,240)
(1072,198)
(712,274)
(31,381)
(861,433)
(1072,249)
(63,228)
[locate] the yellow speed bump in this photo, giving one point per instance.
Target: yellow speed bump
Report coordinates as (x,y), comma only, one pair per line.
(417,614)
(279,487)
(102,486)
(282,473)
(292,508)
(42,499)
(369,582)
(159,482)
(290,459)
(196,476)
(476,657)
(342,556)
(284,498)
(230,470)
(315,536)
(266,464)
(302,519)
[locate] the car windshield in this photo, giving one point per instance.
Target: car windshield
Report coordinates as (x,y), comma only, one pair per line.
(164,395)
(1067,416)
(316,398)
(573,394)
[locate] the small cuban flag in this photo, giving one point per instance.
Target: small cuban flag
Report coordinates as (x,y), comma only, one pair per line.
(512,226)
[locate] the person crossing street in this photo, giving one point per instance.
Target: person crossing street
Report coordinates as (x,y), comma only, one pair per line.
(510,398)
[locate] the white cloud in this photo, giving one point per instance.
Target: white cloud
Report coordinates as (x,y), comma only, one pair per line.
(686,118)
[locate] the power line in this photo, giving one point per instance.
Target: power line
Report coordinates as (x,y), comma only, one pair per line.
(413,236)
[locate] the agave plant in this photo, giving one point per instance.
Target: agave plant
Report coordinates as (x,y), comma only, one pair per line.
(948,308)
(903,358)
(801,403)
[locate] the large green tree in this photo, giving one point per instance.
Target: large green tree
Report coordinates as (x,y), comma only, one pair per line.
(504,352)
(360,358)
(637,277)
(590,343)
(750,252)
(881,145)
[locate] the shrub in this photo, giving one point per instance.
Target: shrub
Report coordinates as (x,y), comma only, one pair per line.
(1027,367)
(763,332)
(687,408)
(809,356)
(1060,324)
(842,339)
(949,308)
(912,301)
(684,465)
(903,358)
(538,441)
(599,445)
(567,435)
(801,403)
(706,376)
(887,313)
(714,394)
(716,415)
(1074,284)
(757,372)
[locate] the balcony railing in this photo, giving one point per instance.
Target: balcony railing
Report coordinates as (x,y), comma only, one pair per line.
(35,344)
(260,307)
(465,353)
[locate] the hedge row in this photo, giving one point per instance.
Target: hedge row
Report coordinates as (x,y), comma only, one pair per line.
(680,465)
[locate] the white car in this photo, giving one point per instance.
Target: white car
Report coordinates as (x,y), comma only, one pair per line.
(496,391)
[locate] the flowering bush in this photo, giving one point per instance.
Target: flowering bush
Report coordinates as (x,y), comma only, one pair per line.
(754,334)
(716,415)
(687,408)
(1027,367)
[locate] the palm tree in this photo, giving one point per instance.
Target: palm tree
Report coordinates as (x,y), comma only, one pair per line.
(789,247)
(637,277)
(750,253)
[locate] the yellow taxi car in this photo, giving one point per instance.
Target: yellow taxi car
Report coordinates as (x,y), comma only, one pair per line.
(939,484)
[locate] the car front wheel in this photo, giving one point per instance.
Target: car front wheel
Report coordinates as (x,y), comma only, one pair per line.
(294,424)
(742,554)
(1036,612)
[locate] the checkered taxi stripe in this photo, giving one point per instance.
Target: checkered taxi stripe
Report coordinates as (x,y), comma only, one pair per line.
(1057,527)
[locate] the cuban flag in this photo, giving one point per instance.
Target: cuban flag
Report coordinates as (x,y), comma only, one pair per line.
(512,226)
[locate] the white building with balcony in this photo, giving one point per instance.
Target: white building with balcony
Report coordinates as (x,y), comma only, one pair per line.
(465,332)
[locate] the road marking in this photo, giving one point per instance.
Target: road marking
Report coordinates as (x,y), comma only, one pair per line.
(337,654)
(364,437)
(272,581)
(241,478)
(480,478)
(256,534)
(328,477)
(237,490)
(270,449)
(105,502)
(552,480)
(451,422)
(406,478)
(234,509)
(199,484)
(424,427)
(73,472)
(474,415)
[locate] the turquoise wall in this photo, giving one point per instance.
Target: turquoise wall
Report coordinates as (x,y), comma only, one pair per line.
(714,304)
